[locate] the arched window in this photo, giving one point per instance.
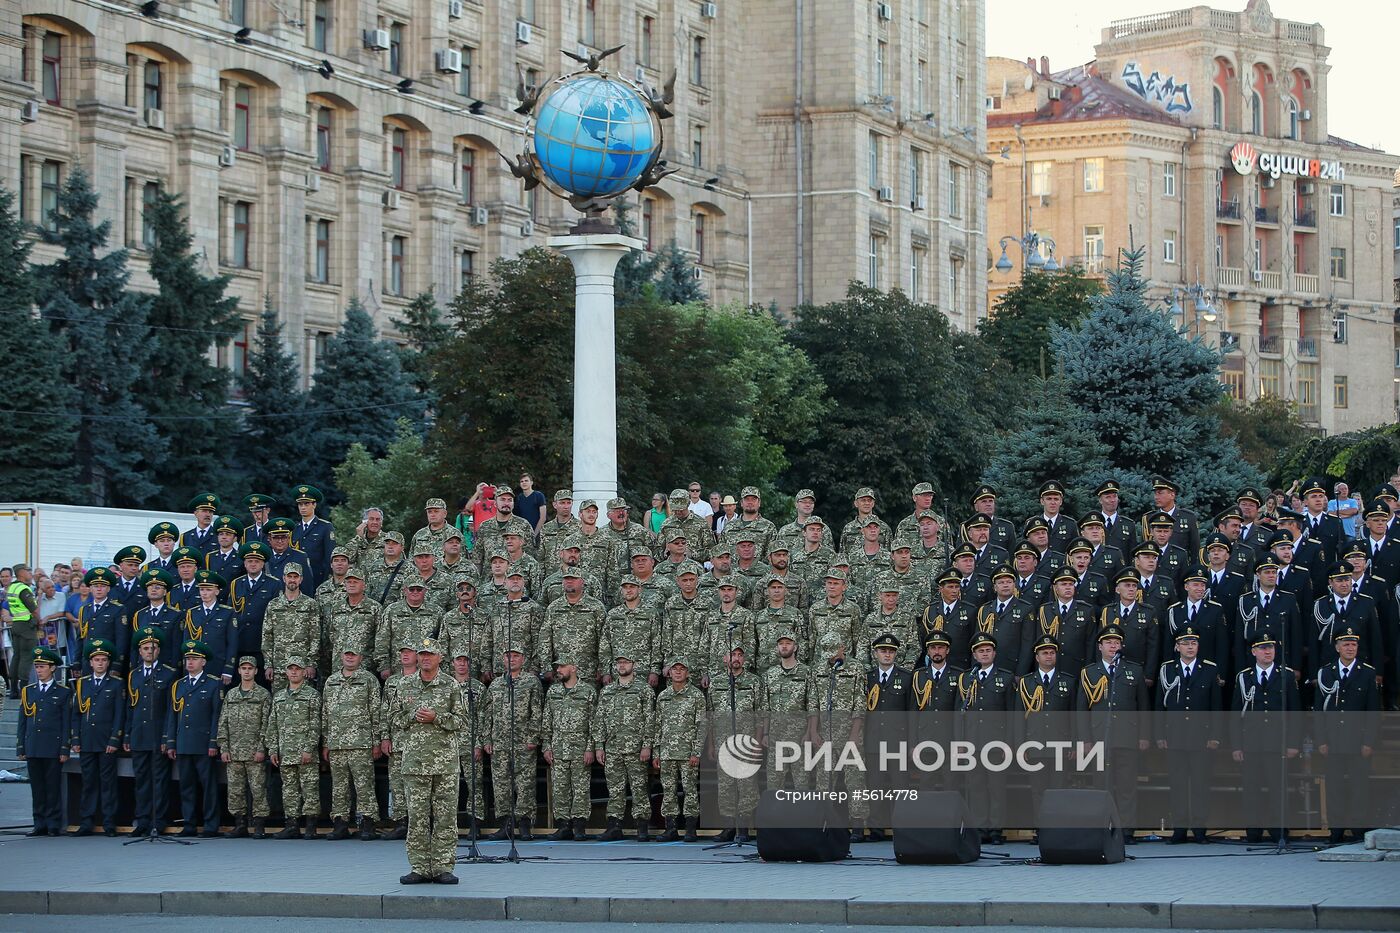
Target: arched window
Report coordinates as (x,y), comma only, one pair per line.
(1256,114)
(1217,108)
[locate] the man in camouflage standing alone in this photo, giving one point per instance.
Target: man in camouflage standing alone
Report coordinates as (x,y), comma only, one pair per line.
(242,742)
(428,712)
(350,707)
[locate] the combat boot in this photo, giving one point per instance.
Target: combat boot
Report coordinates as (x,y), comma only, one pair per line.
(725,836)
(643,830)
(310,829)
(259,827)
(581,831)
(400,830)
(525,835)
(339,830)
(562,833)
(501,834)
(240,828)
(613,833)
(289,830)
(744,835)
(367,832)
(691,823)
(670,835)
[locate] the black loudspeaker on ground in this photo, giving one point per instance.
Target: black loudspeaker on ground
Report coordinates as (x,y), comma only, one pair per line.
(935,829)
(800,831)
(1080,827)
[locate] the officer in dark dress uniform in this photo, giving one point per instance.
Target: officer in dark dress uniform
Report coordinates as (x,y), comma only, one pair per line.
(950,614)
(1137,624)
(191,728)
(42,741)
(985,694)
(1110,687)
(225,559)
(1188,531)
(1202,615)
(1347,693)
(1339,608)
(102,618)
(1089,585)
(259,508)
(1105,558)
(1260,734)
(1156,588)
(157,613)
(183,594)
(974,585)
(1119,530)
(98,719)
(1046,697)
(888,697)
(978,531)
(282,552)
(1007,617)
(934,693)
(1253,534)
(1317,525)
(249,596)
(1031,585)
(1063,529)
(1189,688)
(1003,533)
(214,624)
(314,536)
(1067,619)
(200,539)
(148,701)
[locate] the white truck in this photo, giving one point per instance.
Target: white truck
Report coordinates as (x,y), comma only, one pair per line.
(41,534)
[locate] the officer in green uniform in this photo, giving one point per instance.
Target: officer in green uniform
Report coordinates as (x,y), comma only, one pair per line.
(98,720)
(677,741)
(736,708)
(350,709)
(512,716)
(191,740)
(45,727)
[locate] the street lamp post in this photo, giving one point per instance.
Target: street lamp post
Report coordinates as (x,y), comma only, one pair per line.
(1030,253)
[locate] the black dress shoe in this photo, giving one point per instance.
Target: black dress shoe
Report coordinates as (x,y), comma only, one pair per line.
(445,878)
(36,831)
(1177,838)
(109,830)
(55,831)
(414,878)
(211,834)
(82,831)
(1201,838)
(189,831)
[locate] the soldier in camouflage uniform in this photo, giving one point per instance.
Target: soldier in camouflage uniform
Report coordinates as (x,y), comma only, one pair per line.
(727,626)
(915,588)
(750,521)
(683,619)
(699,538)
(334,585)
(678,738)
(932,552)
(398,800)
(570,558)
(601,554)
(384,574)
(834,616)
(512,743)
(455,565)
(428,710)
(566,735)
(626,533)
(750,569)
(890,616)
(367,546)
(622,734)
(777,615)
(435,532)
(780,566)
(656,589)
(573,625)
(242,746)
(406,622)
(811,558)
(491,588)
(441,595)
(805,502)
(350,622)
(908,526)
(790,708)
(633,629)
(722,568)
(865,508)
(516,619)
(839,695)
(514,542)
(464,631)
(491,531)
(293,739)
(867,559)
(562,525)
(675,548)
(469,735)
(736,707)
(291,628)
(350,709)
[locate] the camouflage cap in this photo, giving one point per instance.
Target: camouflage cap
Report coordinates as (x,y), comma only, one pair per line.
(588,504)
(638,550)
(394,536)
(745,536)
(834,573)
(774,580)
(630,580)
(675,534)
(354,573)
(805,494)
(295,660)
(722,549)
(620,653)
(292,566)
(453,533)
(569,541)
(429,646)
(864,492)
(434,503)
(928,513)
(779,545)
(563,495)
(891,585)
(503,489)
(465,581)
(497,552)
(727,582)
(680,660)
(688,566)
(922,489)
(901,544)
(340,552)
(514,647)
(407,644)
(423,549)
(679,495)
(782,632)
(514,570)
(814,520)
(572,573)
(749,491)
(617,502)
(565,659)
(869,521)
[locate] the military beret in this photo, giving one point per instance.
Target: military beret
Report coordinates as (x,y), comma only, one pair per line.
(572,573)
(247,659)
(228,523)
(258,501)
(949,576)
(834,573)
(163,530)
(1313,484)
(434,503)
(147,635)
(1161,482)
(1146,548)
(978,521)
(588,504)
(1270,562)
(154,575)
(1346,634)
(205,500)
(1339,570)
(186,555)
(1107,487)
(617,502)
(1187,631)
(1110,631)
(503,489)
(983,638)
(1052,487)
(937,637)
(1001,570)
(1046,641)
(1092,518)
(194,648)
(805,494)
(1198,573)
(423,549)
(294,660)
(340,552)
(922,489)
(307,494)
(1036,523)
(1026,548)
(429,646)
(279,526)
(639,550)
(865,492)
(354,573)
(394,536)
(679,495)
(1127,575)
(292,566)
(44,655)
(688,566)
(1063,574)
(415,583)
(1079,544)
(130,552)
(1377,509)
(99,646)
(748,491)
(254,549)
(563,495)
(208,578)
(984,492)
(1249,494)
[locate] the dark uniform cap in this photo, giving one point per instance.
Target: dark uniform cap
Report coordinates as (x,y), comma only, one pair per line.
(1001,570)
(1107,486)
(1079,544)
(99,646)
(1065,573)
(100,575)
(1288,515)
(1215,539)
(228,523)
(984,492)
(1161,482)
(1347,634)
(45,656)
(254,549)
(1339,570)
(1052,486)
(205,500)
(1146,547)
(163,530)
(886,640)
(1385,491)
(1198,573)
(258,501)
(937,637)
(1228,514)
(1280,538)
(146,636)
(950,576)
(208,578)
(307,494)
(1025,547)
(964,550)
(1046,641)
(1093,518)
(1355,549)
(193,648)
(1249,494)
(279,526)
(1377,509)
(1263,639)
(1188,631)
(978,521)
(1036,523)
(1127,574)
(1268,561)
(1160,519)
(983,638)
(1110,631)
(154,575)
(130,552)
(1313,484)
(186,555)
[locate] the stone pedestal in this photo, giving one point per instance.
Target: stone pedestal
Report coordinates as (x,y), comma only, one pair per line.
(595,258)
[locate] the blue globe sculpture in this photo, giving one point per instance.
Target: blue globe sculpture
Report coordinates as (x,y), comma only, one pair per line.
(594,136)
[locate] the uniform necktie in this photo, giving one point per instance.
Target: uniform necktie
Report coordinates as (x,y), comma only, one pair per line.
(937,675)
(1064,611)
(1215,581)
(1045,679)
(147,671)
(1264,679)
(982,677)
(43,688)
(1186,671)
(1375,547)
(1001,607)
(1113,669)
(191,681)
(1191,613)
(884,677)
(1345,672)
(1263,602)
(1342,607)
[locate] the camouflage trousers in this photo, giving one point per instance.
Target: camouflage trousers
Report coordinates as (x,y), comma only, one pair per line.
(677,775)
(526,760)
(625,770)
(735,794)
(568,780)
(398,798)
(352,767)
(301,790)
(472,774)
(432,822)
(247,779)
(853,777)
(792,772)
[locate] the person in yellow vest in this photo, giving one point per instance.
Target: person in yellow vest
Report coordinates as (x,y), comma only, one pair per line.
(24,623)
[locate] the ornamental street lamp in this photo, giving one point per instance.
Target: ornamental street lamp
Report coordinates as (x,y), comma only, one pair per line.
(1030,253)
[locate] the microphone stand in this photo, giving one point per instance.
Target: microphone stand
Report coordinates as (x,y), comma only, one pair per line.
(733,730)
(513,855)
(473,854)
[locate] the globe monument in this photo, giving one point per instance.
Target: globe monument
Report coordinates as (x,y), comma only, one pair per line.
(591,137)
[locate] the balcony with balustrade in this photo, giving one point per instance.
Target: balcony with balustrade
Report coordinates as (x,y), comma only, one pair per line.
(1307,348)
(1266,215)
(1229,277)
(1271,281)
(1201,17)
(1305,284)
(1228,210)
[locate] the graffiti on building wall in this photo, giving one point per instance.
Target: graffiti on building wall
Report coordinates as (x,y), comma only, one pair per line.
(1175,97)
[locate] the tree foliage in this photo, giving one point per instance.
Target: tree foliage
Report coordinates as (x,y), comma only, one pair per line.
(1018,331)
(397,482)
(425,331)
(1264,429)
(1363,459)
(106,345)
(269,446)
(37,461)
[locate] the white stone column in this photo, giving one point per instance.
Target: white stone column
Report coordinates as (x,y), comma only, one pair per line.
(595,258)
